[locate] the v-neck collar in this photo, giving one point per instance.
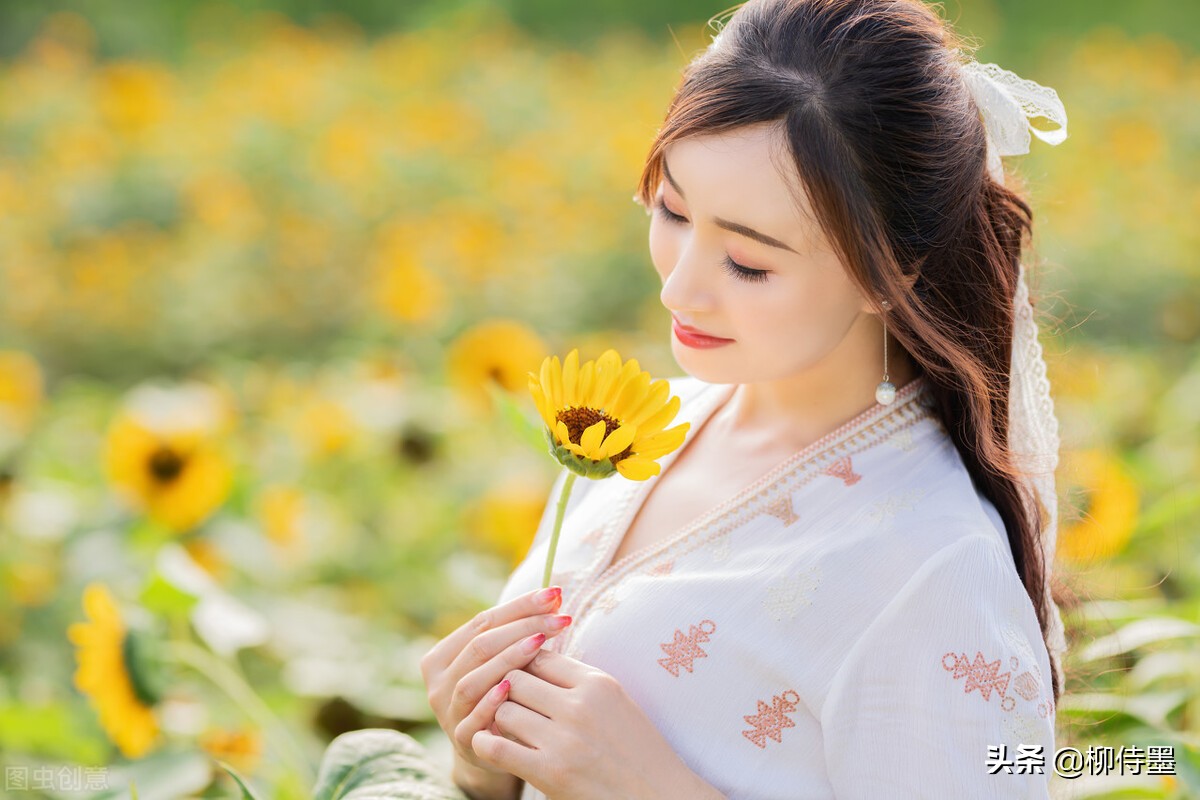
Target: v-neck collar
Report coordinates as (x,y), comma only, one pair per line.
(602,573)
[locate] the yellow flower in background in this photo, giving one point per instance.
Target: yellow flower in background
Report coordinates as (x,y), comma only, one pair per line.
(31,583)
(164,452)
(208,556)
(1105,499)
(499,351)
(505,519)
(21,391)
(108,673)
(606,416)
(407,291)
(323,425)
(279,512)
(240,748)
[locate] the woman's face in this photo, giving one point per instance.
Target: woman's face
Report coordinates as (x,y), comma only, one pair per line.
(786,317)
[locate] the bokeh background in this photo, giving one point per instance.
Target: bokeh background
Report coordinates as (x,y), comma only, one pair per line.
(260,261)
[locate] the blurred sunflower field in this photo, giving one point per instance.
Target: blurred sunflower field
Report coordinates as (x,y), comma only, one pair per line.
(260,285)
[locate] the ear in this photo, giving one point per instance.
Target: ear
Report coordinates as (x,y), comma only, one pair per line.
(867,307)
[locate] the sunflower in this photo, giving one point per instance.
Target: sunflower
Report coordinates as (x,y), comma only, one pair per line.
(1106,499)
(164,451)
(498,350)
(241,748)
(606,416)
(179,478)
(21,393)
(112,673)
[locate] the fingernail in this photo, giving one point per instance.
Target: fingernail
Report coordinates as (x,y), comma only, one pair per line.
(560,622)
(548,596)
(534,642)
(500,689)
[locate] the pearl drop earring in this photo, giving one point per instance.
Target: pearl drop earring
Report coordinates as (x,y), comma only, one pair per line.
(885,392)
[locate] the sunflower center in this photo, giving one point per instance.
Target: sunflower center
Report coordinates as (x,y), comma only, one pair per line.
(165,464)
(579,418)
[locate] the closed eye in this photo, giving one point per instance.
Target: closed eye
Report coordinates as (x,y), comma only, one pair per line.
(731,266)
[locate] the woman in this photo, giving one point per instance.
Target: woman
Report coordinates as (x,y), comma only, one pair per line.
(836,587)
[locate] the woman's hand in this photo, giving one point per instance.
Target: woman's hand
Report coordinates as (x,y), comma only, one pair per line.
(461,668)
(580,736)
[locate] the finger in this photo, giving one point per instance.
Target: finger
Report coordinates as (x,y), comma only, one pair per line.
(557,669)
(471,687)
(512,757)
(482,717)
(442,654)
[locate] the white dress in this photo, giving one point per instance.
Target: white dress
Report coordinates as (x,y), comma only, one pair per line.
(850,625)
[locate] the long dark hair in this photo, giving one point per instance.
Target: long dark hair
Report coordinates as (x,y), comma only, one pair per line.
(891,148)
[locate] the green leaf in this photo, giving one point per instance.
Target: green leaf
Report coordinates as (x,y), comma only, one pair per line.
(516,418)
(164,773)
(246,793)
(377,763)
(1139,633)
(163,597)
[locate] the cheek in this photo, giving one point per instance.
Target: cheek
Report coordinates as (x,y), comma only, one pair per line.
(663,250)
(803,319)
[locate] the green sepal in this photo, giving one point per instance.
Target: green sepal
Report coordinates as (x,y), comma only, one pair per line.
(585,467)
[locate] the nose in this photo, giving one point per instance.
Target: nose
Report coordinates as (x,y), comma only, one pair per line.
(685,288)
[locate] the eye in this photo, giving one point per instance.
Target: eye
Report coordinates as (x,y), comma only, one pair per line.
(744,273)
(731,266)
(666,213)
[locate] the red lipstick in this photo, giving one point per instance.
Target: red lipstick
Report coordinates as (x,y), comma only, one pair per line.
(694,338)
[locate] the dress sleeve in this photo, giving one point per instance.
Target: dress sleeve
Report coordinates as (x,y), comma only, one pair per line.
(946,692)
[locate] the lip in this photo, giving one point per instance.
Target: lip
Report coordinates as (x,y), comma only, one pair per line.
(694,338)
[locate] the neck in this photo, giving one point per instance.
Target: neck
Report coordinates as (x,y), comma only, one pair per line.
(792,412)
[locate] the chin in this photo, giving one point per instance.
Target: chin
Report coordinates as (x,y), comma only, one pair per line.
(710,366)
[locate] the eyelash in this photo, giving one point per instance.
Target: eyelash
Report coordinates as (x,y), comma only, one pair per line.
(731,266)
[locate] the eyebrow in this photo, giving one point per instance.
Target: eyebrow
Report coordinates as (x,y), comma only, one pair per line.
(735,227)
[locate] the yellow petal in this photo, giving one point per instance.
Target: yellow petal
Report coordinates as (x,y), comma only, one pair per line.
(556,386)
(637,469)
(628,372)
(618,440)
(561,433)
(591,440)
(587,379)
(632,395)
(547,383)
(662,443)
(570,376)
(660,419)
(656,396)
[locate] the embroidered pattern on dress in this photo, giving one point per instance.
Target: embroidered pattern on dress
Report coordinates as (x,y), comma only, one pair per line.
(1021,728)
(772,719)
(661,569)
(843,469)
(686,647)
(1029,684)
(594,538)
(607,602)
(982,675)
(894,504)
(786,595)
(782,510)
(712,530)
(903,440)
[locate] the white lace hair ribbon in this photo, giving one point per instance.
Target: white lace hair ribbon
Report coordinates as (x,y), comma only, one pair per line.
(1008,104)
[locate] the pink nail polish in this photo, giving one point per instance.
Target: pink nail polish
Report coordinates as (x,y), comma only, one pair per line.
(560,622)
(549,595)
(534,642)
(501,689)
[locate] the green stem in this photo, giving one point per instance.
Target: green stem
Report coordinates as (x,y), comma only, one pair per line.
(558,520)
(225,677)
